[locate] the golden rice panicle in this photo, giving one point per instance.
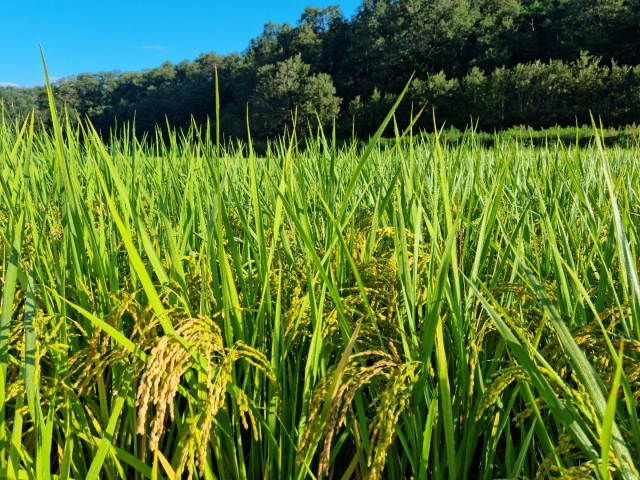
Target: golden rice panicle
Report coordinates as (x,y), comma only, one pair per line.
(244,410)
(215,401)
(364,377)
(315,405)
(99,354)
(188,455)
(500,380)
(256,358)
(582,469)
(332,421)
(393,401)
(296,301)
(355,377)
(168,362)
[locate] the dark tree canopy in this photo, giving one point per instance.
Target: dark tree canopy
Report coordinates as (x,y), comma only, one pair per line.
(535,62)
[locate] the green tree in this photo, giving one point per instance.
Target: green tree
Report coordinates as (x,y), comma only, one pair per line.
(286,88)
(534,53)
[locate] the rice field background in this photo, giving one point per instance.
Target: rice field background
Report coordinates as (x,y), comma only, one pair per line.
(173,308)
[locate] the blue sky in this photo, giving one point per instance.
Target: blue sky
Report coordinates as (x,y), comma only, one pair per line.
(89,36)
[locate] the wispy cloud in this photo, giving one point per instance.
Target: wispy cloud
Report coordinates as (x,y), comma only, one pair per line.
(40,82)
(159,48)
(9,84)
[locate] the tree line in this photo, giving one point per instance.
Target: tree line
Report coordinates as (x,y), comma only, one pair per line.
(497,63)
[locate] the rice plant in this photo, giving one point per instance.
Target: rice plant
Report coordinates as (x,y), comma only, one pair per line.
(177,308)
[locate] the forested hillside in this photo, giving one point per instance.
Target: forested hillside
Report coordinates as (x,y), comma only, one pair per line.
(19,101)
(501,62)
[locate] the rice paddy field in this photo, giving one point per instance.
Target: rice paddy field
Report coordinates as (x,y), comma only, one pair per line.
(174,309)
